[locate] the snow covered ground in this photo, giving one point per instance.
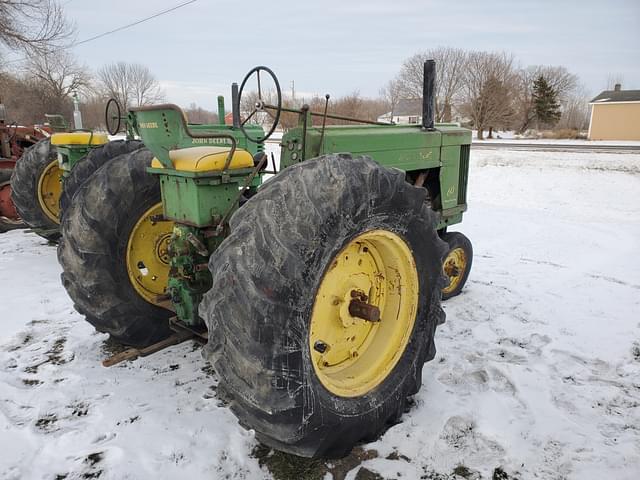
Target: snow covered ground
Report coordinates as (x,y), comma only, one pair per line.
(509,136)
(558,141)
(537,373)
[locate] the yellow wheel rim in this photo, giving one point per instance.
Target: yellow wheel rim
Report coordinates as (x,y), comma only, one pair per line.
(148,254)
(49,190)
(352,355)
(454,267)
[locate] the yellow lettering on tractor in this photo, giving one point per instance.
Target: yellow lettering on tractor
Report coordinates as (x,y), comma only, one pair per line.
(451,191)
(209,140)
(148,125)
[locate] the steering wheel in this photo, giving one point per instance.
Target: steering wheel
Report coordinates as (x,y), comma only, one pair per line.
(260,105)
(112,118)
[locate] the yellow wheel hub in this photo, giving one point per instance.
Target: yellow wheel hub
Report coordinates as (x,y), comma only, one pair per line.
(148,254)
(363,314)
(49,190)
(454,267)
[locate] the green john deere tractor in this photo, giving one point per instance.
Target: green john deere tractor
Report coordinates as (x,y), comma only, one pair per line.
(52,171)
(316,291)
(38,179)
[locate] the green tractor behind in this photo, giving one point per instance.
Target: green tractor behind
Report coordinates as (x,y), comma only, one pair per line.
(37,181)
(316,291)
(53,169)
(14,141)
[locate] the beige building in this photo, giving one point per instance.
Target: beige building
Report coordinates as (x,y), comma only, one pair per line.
(615,115)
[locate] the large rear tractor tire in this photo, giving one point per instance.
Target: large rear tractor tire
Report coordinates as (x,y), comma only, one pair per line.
(113,251)
(90,163)
(36,184)
(457,263)
(324,305)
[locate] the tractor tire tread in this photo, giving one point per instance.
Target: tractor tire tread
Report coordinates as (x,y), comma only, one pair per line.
(92,251)
(91,162)
(263,287)
(24,188)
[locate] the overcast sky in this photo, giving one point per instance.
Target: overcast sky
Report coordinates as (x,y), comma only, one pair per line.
(338,46)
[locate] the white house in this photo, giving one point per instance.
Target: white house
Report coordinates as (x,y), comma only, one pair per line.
(407,111)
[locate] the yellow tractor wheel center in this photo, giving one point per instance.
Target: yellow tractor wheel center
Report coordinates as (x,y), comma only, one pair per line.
(454,267)
(148,254)
(49,191)
(364,313)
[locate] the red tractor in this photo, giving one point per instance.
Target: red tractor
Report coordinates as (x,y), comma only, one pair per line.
(14,139)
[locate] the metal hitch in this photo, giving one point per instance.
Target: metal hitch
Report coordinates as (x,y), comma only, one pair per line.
(364,310)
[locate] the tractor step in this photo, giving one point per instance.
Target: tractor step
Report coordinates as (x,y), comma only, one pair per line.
(133,353)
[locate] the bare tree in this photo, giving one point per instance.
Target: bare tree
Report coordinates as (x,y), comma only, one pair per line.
(559,78)
(45,85)
(524,98)
(487,90)
(92,107)
(349,105)
(575,111)
(391,93)
(60,73)
(248,104)
(352,105)
(35,26)
(450,67)
(196,114)
(372,108)
(131,84)
(144,86)
(115,82)
(28,99)
(613,79)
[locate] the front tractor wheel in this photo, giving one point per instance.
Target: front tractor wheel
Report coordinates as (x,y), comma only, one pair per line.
(113,251)
(457,263)
(324,305)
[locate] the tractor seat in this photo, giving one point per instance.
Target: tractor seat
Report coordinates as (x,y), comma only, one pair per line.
(206,159)
(79,138)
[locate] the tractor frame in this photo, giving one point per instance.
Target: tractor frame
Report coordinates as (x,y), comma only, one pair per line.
(200,202)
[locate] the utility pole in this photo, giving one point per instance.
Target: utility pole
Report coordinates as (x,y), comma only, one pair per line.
(293,90)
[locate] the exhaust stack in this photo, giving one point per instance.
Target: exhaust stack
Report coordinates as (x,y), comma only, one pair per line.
(428,95)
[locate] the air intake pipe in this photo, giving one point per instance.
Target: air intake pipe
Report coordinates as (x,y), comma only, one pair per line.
(428,95)
(235,105)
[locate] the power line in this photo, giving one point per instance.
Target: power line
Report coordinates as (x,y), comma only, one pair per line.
(124,27)
(138,22)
